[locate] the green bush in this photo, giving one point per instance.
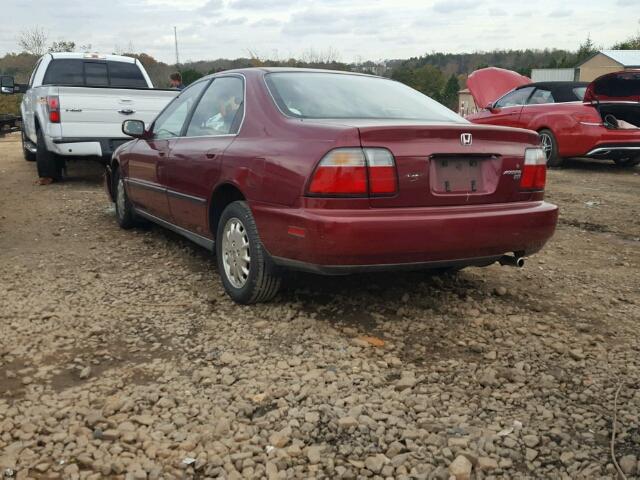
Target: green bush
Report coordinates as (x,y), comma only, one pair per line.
(10,104)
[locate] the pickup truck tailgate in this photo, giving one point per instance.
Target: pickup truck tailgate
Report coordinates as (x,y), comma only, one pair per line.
(92,112)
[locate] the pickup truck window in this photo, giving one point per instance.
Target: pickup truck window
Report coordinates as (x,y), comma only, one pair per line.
(80,73)
(95,74)
(124,74)
(64,71)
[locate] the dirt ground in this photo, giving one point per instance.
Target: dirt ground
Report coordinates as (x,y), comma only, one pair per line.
(121,356)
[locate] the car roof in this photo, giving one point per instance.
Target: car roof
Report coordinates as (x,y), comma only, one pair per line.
(562,91)
(554,85)
(293,70)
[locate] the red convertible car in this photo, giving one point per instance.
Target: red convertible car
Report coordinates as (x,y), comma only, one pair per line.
(330,172)
(597,120)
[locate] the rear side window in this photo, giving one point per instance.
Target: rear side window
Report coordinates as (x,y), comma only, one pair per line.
(65,71)
(95,74)
(126,75)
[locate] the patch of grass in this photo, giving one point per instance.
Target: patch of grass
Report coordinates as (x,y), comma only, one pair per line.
(10,104)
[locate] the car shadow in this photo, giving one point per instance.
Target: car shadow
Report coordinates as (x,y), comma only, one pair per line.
(596,165)
(84,171)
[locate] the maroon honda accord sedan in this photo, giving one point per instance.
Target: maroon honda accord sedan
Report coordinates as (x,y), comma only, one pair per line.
(330,172)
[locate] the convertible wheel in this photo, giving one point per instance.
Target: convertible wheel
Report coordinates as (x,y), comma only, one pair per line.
(48,163)
(242,260)
(627,162)
(28,156)
(125,215)
(550,147)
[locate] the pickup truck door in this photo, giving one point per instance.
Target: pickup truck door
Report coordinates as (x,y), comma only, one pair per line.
(148,159)
(194,165)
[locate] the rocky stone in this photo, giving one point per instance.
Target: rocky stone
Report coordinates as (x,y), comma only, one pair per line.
(628,464)
(375,463)
(531,441)
(461,468)
(487,463)
(314,454)
(281,438)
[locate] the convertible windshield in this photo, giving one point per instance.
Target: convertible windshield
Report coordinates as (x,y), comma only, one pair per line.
(336,95)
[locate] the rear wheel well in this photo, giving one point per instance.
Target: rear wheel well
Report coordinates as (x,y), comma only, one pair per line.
(223,196)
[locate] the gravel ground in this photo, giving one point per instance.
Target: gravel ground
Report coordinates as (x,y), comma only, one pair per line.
(121,356)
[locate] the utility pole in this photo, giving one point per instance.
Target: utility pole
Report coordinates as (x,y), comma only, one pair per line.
(175,36)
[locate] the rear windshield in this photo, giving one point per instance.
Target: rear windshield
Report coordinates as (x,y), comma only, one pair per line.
(89,73)
(336,95)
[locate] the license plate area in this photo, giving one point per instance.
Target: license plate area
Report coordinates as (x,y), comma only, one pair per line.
(458,175)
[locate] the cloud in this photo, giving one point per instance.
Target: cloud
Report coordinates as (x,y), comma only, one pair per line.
(560,13)
(261,4)
(266,22)
(211,7)
(454,5)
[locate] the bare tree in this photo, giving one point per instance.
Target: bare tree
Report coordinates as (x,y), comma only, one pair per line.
(33,40)
(62,46)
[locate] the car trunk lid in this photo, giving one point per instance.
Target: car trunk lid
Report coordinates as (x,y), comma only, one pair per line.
(489,84)
(453,164)
(618,87)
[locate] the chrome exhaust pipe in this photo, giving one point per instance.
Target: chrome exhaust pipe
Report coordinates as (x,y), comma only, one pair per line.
(512,261)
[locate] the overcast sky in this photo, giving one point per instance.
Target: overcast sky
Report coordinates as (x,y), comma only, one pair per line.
(369,29)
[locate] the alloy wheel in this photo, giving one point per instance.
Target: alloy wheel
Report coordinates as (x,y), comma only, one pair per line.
(547,144)
(121,199)
(236,255)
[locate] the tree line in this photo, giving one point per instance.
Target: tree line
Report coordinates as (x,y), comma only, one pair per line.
(438,75)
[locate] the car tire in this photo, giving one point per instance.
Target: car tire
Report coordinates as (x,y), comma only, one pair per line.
(125,215)
(48,163)
(550,147)
(28,156)
(627,162)
(247,275)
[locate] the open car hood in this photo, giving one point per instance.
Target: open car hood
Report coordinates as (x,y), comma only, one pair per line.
(615,87)
(489,84)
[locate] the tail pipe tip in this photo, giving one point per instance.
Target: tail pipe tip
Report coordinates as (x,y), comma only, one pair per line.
(512,260)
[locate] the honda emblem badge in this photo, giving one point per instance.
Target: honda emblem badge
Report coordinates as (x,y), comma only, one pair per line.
(466,139)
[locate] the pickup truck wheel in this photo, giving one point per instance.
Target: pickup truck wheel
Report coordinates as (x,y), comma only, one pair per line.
(550,146)
(125,215)
(48,163)
(627,162)
(28,156)
(242,261)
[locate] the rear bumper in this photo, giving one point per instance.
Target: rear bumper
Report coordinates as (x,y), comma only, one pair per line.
(346,241)
(597,141)
(86,147)
(615,150)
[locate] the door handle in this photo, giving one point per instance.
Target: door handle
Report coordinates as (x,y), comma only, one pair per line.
(211,155)
(161,153)
(126,111)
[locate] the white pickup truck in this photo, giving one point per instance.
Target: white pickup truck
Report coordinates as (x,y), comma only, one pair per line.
(75,105)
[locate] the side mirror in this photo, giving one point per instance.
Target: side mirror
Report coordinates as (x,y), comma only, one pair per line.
(134,128)
(492,108)
(7,85)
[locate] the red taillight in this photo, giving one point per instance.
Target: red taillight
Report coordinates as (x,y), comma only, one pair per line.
(355,171)
(534,173)
(382,171)
(341,172)
(53,107)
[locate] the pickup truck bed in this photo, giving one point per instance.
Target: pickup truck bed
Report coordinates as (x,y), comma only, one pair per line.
(91,117)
